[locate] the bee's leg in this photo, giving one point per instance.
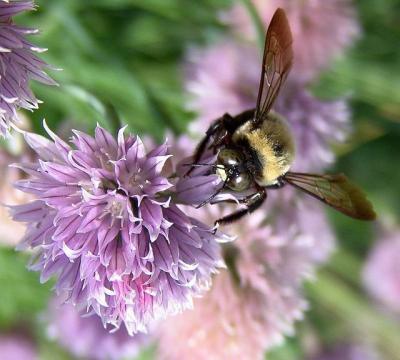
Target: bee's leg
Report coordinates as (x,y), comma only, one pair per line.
(218,126)
(253,202)
(230,125)
(212,196)
(245,200)
(224,127)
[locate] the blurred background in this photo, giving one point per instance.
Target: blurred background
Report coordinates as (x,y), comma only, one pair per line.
(134,55)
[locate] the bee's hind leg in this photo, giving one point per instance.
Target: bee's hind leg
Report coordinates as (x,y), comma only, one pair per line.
(252,202)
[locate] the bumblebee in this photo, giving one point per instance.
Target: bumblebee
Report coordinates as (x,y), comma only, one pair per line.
(255,149)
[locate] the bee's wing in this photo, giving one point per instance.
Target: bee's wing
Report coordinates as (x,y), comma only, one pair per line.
(277,61)
(336,191)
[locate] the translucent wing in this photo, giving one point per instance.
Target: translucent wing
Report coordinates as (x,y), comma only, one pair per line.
(336,191)
(277,61)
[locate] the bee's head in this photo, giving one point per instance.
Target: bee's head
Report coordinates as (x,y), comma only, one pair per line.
(232,170)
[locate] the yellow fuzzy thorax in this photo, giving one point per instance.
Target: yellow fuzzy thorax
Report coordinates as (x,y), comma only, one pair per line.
(273,143)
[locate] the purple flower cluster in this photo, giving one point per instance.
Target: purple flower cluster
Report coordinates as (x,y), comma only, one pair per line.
(17,346)
(18,64)
(86,337)
(315,124)
(381,273)
(105,226)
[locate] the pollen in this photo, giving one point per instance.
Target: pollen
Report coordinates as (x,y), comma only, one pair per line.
(221,173)
(116,209)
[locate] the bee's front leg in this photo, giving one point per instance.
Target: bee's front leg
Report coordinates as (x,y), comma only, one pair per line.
(217,130)
(252,202)
(221,130)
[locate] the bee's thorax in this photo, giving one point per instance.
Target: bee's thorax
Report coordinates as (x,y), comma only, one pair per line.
(269,147)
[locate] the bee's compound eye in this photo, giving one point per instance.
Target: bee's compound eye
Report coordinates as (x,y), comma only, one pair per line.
(239,182)
(229,157)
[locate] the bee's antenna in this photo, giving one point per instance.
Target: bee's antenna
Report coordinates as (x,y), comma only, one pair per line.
(196,165)
(209,165)
(212,196)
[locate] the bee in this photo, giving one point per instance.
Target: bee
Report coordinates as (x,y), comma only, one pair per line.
(255,149)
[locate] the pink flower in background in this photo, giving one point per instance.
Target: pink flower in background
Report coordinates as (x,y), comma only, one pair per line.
(322,30)
(222,325)
(17,347)
(18,64)
(221,78)
(316,126)
(381,273)
(87,338)
(254,304)
(11,232)
(104,225)
(225,78)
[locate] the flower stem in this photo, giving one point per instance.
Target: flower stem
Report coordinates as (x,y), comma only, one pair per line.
(257,22)
(351,308)
(346,266)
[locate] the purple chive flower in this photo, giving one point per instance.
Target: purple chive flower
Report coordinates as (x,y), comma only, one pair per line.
(254,303)
(87,338)
(220,83)
(311,21)
(315,124)
(18,65)
(381,272)
(105,226)
(17,346)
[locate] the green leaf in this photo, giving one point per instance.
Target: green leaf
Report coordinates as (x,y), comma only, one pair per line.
(147,354)
(362,322)
(373,166)
(22,296)
(353,235)
(289,350)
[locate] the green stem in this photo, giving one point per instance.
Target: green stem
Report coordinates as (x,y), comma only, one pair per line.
(257,22)
(364,323)
(347,266)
